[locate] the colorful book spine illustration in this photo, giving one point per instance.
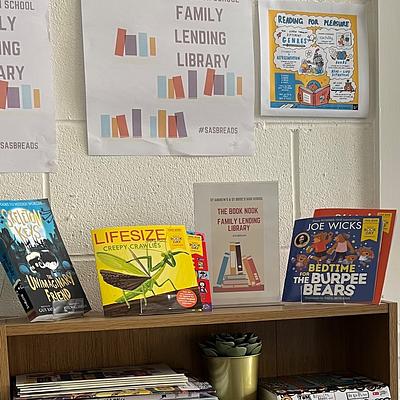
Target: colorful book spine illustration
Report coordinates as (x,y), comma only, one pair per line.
(122,126)
(192,79)
(3,94)
(160,125)
(178,87)
(172,132)
(233,259)
(120,42)
(139,44)
(238,252)
(249,271)
(253,270)
(222,270)
(209,84)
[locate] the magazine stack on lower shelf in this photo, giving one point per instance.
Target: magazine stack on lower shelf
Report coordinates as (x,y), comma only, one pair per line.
(145,382)
(322,387)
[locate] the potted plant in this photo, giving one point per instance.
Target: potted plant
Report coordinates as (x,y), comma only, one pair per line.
(232,361)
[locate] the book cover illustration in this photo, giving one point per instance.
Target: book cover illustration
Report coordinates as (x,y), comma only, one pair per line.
(37,263)
(333,259)
(314,94)
(389,219)
(145,270)
(198,249)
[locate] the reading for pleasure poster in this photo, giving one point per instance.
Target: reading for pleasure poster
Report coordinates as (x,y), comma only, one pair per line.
(169,78)
(314,59)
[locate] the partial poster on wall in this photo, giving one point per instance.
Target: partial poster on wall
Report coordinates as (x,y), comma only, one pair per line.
(169,78)
(314,59)
(27,122)
(241,224)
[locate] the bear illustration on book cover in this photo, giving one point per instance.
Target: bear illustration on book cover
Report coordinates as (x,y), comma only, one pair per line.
(334,259)
(37,263)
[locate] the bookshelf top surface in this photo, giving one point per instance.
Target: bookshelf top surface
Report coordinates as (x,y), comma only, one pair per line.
(95,322)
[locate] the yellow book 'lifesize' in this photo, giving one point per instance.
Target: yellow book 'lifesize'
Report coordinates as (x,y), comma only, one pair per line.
(145,269)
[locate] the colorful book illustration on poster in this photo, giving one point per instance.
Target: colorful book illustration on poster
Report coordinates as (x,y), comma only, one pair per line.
(19,97)
(145,270)
(214,85)
(314,94)
(197,244)
(334,259)
(237,273)
(389,219)
(314,57)
(162,125)
(140,44)
(36,262)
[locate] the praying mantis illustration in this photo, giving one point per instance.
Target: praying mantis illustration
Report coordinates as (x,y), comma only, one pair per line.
(133,277)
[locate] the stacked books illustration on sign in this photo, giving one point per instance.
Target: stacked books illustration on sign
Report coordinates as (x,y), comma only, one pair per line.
(237,273)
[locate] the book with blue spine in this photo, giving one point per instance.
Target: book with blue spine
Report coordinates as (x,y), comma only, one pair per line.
(334,259)
(36,261)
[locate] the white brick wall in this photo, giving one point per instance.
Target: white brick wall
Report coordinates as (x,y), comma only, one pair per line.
(318,163)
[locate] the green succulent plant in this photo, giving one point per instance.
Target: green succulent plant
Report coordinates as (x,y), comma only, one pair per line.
(231,345)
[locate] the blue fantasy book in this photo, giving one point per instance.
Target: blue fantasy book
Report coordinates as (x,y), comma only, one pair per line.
(333,259)
(37,263)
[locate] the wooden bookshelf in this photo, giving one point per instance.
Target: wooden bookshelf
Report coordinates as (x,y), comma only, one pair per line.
(297,338)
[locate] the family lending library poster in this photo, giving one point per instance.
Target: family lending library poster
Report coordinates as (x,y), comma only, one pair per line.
(27,125)
(241,224)
(314,59)
(165,77)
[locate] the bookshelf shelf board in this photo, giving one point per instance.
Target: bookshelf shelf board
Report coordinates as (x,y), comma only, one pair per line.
(93,322)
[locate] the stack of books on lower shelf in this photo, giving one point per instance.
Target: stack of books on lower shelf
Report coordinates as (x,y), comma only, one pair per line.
(145,382)
(322,387)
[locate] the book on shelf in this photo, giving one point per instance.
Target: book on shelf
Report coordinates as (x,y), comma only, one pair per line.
(37,263)
(389,219)
(322,387)
(198,250)
(145,382)
(145,270)
(334,259)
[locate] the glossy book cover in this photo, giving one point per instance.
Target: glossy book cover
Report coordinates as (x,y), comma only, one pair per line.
(145,270)
(333,259)
(37,263)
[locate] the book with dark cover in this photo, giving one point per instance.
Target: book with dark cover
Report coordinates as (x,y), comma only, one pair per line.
(37,263)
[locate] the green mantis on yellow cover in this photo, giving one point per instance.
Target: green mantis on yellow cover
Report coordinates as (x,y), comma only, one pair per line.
(132,277)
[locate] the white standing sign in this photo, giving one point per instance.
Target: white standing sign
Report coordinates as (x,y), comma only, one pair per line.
(27,123)
(241,224)
(169,77)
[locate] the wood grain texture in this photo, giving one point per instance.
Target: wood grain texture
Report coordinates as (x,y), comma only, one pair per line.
(96,322)
(4,367)
(177,347)
(296,339)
